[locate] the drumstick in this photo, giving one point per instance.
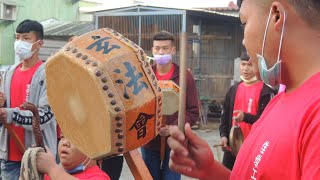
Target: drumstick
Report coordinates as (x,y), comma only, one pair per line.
(15,137)
(217,145)
(183,84)
(163,142)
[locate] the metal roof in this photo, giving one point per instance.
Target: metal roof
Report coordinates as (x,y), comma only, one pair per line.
(9,2)
(54,27)
(236,15)
(153,10)
(234,8)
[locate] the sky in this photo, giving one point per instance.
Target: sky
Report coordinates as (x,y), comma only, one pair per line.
(167,3)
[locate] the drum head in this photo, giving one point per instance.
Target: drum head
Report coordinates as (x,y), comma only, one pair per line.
(170,96)
(236,139)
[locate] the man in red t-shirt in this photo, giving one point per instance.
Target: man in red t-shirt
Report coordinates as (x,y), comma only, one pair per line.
(163,49)
(243,105)
(24,82)
(74,164)
(282,38)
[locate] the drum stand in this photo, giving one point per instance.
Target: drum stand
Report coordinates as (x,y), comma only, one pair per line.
(137,166)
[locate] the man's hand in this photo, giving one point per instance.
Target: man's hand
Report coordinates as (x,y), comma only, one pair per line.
(238,115)
(164,131)
(224,143)
(3,115)
(194,159)
(2,99)
(46,161)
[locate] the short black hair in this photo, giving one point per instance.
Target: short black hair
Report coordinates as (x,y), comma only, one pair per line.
(163,35)
(28,25)
(239,2)
(244,56)
(307,9)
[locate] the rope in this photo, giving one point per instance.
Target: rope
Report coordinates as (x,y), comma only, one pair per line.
(28,169)
(29,165)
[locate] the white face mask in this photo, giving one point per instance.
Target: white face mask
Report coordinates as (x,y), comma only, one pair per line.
(23,49)
(254,78)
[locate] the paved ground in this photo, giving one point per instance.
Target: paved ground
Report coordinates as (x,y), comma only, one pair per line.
(210,133)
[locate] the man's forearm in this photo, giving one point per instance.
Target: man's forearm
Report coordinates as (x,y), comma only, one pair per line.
(217,171)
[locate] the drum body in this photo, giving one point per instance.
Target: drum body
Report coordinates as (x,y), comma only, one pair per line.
(170,96)
(104,94)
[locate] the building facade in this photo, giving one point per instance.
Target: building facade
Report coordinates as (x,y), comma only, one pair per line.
(214,40)
(14,11)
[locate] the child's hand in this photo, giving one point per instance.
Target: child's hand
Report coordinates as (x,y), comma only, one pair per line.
(45,161)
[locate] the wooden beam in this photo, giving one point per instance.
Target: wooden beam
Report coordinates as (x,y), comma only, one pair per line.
(182,79)
(137,166)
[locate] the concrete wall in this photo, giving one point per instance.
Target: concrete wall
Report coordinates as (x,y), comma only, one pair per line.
(36,10)
(84,15)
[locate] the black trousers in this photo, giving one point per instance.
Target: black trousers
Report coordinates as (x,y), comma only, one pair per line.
(113,167)
(228,160)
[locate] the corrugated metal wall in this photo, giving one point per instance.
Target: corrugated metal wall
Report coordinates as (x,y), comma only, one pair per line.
(50,47)
(129,27)
(212,54)
(126,25)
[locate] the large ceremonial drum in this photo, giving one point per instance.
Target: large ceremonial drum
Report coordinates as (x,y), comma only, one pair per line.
(104,94)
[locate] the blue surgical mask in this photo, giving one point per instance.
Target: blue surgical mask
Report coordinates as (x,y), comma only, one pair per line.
(81,167)
(272,76)
(162,59)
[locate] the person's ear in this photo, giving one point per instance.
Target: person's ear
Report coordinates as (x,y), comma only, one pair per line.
(278,16)
(38,44)
(41,43)
(174,50)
